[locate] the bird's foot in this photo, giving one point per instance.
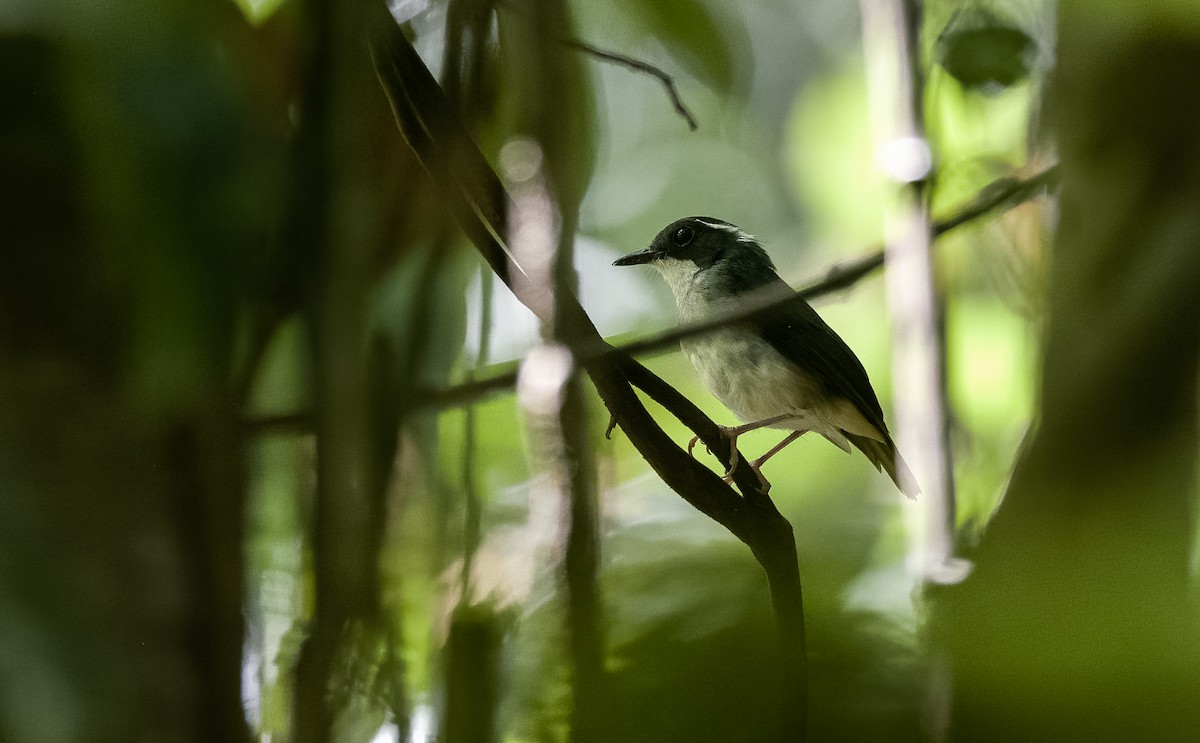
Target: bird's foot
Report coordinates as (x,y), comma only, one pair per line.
(729,433)
(764,485)
(732,433)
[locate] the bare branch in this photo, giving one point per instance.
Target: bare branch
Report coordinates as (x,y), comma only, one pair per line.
(640,66)
(691,416)
(477,199)
(1004,193)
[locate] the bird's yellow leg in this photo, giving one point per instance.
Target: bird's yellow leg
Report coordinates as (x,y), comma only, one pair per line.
(732,433)
(757,463)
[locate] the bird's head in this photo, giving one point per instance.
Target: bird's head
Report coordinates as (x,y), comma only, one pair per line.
(705,251)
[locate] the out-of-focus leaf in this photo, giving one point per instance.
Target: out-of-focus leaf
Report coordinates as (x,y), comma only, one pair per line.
(985,52)
(694,35)
(361,688)
(258,11)
(830,161)
(544,93)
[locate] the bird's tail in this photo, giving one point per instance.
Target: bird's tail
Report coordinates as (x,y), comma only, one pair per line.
(885,457)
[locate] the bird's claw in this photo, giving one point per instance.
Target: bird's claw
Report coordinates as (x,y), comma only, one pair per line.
(696,439)
(764,485)
(733,456)
(732,435)
(733,451)
(734,460)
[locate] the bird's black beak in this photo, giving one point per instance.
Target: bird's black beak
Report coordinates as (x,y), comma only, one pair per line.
(645,255)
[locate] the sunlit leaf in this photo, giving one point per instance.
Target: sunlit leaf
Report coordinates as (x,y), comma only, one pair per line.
(830,160)
(258,11)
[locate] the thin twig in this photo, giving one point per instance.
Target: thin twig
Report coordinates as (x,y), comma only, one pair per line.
(460,172)
(1006,192)
(640,66)
(433,131)
(1002,193)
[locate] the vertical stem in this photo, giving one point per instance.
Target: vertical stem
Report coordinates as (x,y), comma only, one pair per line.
(307,228)
(891,40)
(462,82)
(472,518)
(340,219)
(581,565)
(890,34)
(471,505)
(550,391)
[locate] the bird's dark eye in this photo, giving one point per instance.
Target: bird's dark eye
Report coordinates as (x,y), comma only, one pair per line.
(683,236)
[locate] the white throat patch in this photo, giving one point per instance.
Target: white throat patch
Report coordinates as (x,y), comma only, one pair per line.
(677,273)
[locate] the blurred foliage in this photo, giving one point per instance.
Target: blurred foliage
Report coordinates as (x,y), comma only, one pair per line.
(701,37)
(831,162)
(1082,581)
(227,292)
(984,52)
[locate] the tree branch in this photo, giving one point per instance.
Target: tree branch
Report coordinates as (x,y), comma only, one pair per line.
(428,124)
(1004,193)
(640,66)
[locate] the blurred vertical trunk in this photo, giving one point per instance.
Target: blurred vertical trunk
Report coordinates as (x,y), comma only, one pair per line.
(892,42)
(121,567)
(555,112)
(1078,622)
(472,674)
(351,201)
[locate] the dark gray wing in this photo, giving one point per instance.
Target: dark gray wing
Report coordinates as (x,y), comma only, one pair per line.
(799,334)
(802,337)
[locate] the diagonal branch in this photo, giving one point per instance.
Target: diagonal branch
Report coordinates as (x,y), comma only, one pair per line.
(1001,194)
(1004,193)
(442,145)
(473,191)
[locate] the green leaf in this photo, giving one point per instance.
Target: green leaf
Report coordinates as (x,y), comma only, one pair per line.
(985,52)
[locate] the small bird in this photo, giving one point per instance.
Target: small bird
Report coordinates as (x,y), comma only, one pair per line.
(788,370)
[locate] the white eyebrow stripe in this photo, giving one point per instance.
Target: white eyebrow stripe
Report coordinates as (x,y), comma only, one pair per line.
(719,226)
(742,237)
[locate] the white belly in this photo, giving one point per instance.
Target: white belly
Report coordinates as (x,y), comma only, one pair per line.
(752,379)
